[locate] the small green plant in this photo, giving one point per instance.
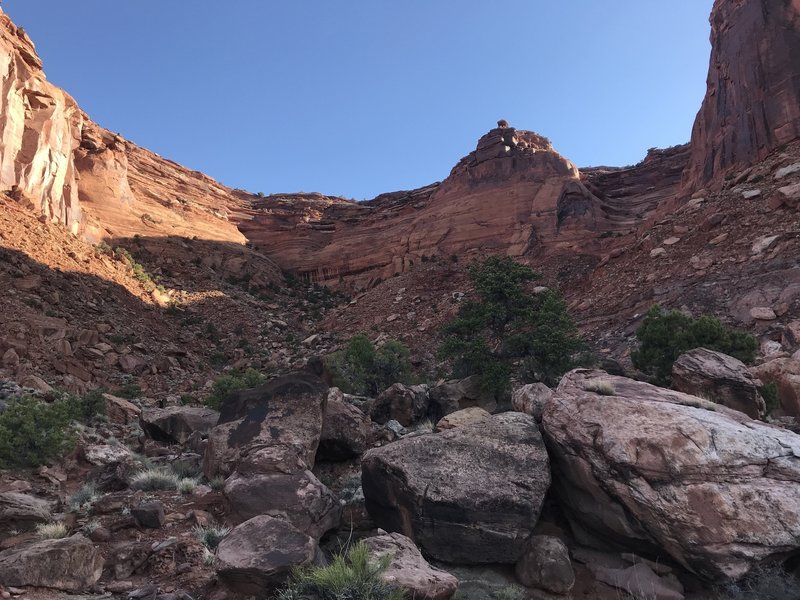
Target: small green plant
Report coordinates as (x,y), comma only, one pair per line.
(51,531)
(511,592)
(216,483)
(211,536)
(130,390)
(227,384)
(769,392)
(352,575)
(154,479)
(83,498)
(362,369)
(601,387)
(664,336)
(187,485)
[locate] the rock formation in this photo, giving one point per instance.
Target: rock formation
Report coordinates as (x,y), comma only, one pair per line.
(657,471)
(752,104)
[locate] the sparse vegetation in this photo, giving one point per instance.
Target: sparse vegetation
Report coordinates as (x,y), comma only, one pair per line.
(511,592)
(83,498)
(187,485)
(227,384)
(154,479)
(768,582)
(362,369)
(352,575)
(51,531)
(211,536)
(130,390)
(769,392)
(216,483)
(34,432)
(601,387)
(510,328)
(664,336)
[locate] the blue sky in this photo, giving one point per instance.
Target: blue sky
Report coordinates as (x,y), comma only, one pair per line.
(358,97)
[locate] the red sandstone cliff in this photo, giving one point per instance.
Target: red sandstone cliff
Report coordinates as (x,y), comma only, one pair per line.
(752,104)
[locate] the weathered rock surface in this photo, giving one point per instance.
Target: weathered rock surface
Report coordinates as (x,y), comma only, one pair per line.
(720,378)
(175,424)
(752,104)
(345,429)
(69,564)
(22,511)
(450,396)
(531,399)
(258,555)
(545,565)
(409,570)
(402,403)
(298,497)
(285,413)
(467,495)
(658,471)
(785,373)
(149,514)
(466,416)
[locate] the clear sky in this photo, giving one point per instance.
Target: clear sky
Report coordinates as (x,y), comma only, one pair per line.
(358,97)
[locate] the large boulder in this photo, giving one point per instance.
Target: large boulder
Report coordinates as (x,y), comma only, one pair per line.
(402,403)
(454,395)
(531,399)
(468,495)
(345,430)
(545,564)
(670,475)
(69,564)
(258,555)
(175,424)
(720,378)
(298,497)
(409,570)
(785,373)
(22,512)
(287,411)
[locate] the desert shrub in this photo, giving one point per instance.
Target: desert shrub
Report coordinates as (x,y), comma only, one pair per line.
(211,536)
(34,432)
(511,592)
(510,329)
(83,498)
(186,485)
(216,483)
(86,408)
(360,368)
(664,336)
(352,576)
(154,479)
(235,380)
(51,531)
(769,391)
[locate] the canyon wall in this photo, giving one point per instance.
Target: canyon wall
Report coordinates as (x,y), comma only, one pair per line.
(752,102)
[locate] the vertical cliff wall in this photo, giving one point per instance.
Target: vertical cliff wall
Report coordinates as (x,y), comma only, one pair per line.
(752,104)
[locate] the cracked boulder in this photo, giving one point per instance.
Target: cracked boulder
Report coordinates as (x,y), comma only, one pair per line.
(468,495)
(673,476)
(175,424)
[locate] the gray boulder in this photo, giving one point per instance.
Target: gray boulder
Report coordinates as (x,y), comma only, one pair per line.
(345,430)
(468,495)
(22,512)
(545,564)
(531,399)
(402,403)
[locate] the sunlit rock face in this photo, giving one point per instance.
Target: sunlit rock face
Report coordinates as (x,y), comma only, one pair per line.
(40,127)
(752,104)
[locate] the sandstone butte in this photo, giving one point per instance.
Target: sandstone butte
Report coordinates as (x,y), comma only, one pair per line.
(514,194)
